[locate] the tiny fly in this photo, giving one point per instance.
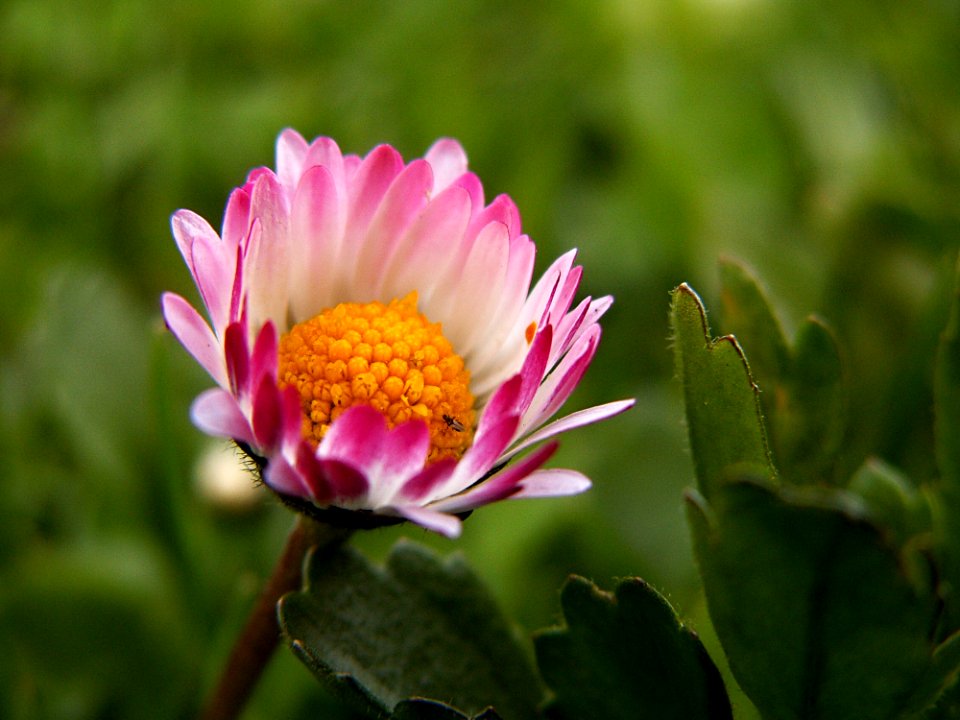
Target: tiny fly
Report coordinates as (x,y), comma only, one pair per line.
(453,423)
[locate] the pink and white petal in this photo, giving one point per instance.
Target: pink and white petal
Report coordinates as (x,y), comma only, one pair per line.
(552,482)
(217,413)
(562,381)
(438,522)
(266,267)
(470,183)
(291,153)
(365,192)
(349,485)
(563,298)
(478,292)
(403,454)
(357,437)
(215,275)
(403,202)
(424,483)
(195,335)
(535,367)
(324,152)
(449,162)
(189,228)
(285,479)
(502,485)
(317,217)
(571,421)
(236,218)
(502,210)
(486,450)
(428,252)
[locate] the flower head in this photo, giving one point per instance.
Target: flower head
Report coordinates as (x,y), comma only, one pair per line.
(374,338)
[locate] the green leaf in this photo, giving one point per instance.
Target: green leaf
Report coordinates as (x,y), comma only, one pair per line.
(802,387)
(724,419)
(748,315)
(892,500)
(417,709)
(947,396)
(814,610)
(418,628)
(947,430)
(810,418)
(627,656)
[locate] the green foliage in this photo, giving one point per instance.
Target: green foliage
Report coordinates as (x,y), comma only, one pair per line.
(807,138)
(627,655)
(723,409)
(418,628)
(823,598)
(802,387)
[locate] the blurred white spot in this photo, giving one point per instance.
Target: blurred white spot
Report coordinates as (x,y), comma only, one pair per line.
(224,481)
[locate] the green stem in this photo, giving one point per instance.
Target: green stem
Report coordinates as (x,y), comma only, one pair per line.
(259,637)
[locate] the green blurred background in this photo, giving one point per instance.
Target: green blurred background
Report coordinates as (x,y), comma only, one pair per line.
(819,142)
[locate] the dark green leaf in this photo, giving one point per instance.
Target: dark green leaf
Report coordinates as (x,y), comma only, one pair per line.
(892,500)
(748,315)
(802,387)
(724,420)
(810,415)
(947,405)
(419,628)
(948,396)
(812,605)
(627,656)
(417,709)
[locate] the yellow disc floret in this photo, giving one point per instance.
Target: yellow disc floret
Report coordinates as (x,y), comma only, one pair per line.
(388,356)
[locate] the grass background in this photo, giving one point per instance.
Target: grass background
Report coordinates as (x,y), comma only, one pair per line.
(819,142)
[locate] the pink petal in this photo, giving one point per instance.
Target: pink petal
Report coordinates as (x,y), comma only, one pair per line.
(449,162)
(571,421)
(438,522)
(552,482)
(317,217)
(562,380)
(357,437)
(216,413)
(424,483)
(268,422)
(266,267)
(195,335)
(403,454)
(237,356)
(282,477)
(236,218)
(500,486)
(401,205)
(291,152)
(535,366)
(366,191)
(348,484)
(487,448)
(263,361)
(189,228)
(428,252)
(479,290)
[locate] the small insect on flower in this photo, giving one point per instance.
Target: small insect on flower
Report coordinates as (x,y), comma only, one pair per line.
(453,423)
(378,347)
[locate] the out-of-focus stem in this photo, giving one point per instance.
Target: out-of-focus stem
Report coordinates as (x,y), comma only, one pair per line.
(261,633)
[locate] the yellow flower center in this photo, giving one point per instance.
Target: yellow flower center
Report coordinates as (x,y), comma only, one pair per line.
(388,356)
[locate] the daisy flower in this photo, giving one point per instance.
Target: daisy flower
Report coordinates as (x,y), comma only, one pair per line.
(376,344)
